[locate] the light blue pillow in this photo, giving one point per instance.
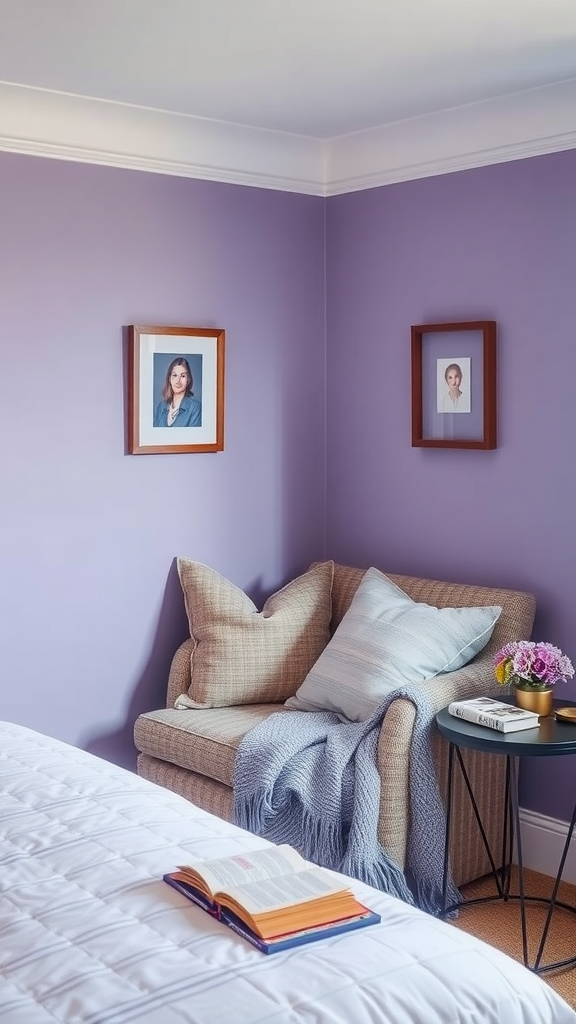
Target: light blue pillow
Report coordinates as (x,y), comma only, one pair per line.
(386,640)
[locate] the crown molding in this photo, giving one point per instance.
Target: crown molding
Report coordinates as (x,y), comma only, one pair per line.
(511,127)
(66,127)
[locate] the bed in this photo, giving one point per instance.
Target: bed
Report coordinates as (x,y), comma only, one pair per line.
(90,933)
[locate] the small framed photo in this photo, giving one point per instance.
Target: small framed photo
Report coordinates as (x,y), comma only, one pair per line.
(454,385)
(175,390)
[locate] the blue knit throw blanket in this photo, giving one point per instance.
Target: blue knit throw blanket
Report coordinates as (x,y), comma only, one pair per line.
(310,780)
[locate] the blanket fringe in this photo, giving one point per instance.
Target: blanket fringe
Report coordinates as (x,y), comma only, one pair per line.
(312,781)
(381,874)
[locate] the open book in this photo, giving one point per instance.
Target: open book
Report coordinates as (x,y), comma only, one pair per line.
(272,896)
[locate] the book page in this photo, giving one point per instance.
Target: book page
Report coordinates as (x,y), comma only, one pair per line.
(285,891)
(251,866)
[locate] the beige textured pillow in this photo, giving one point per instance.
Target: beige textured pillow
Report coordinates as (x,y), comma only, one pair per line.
(243,656)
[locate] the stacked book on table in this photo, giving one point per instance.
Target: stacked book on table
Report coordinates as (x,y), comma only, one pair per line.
(272,897)
(495,714)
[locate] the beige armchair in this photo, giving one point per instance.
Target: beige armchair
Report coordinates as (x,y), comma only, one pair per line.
(192,752)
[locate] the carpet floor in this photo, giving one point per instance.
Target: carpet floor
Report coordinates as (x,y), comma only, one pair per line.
(499,924)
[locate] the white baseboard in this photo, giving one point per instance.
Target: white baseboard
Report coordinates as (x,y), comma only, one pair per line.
(543,840)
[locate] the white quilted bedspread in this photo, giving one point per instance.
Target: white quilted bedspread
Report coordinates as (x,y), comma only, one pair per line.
(89,932)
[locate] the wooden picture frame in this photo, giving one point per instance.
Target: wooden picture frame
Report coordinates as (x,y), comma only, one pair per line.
(189,418)
(454,385)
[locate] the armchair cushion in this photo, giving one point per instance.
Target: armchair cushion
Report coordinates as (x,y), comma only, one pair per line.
(386,640)
(242,656)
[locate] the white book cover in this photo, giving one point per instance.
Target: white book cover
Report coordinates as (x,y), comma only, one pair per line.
(494,714)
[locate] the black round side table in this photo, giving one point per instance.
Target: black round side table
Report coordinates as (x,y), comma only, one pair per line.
(551,738)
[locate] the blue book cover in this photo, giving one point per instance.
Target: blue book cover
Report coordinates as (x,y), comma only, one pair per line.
(194,894)
(323,931)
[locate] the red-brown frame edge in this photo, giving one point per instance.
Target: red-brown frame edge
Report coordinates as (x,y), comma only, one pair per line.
(489,415)
(133,404)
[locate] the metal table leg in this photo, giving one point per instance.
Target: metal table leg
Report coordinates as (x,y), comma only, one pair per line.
(502,876)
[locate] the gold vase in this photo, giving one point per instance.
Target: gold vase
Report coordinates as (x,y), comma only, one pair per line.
(539,701)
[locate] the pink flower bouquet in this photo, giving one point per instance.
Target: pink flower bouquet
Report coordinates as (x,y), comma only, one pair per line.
(534,666)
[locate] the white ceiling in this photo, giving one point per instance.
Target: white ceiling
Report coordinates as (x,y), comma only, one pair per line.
(314,67)
(321,69)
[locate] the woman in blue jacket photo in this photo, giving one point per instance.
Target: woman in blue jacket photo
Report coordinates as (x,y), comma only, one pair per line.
(178,407)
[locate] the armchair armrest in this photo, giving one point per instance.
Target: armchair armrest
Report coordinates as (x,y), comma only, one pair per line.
(180,676)
(473,680)
(395,745)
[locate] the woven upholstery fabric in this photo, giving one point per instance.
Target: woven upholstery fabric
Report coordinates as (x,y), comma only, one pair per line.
(206,793)
(243,656)
(204,740)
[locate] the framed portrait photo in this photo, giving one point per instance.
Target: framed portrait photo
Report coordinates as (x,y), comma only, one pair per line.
(175,389)
(454,385)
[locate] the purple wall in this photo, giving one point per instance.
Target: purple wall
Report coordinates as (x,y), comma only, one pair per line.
(90,605)
(496,243)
